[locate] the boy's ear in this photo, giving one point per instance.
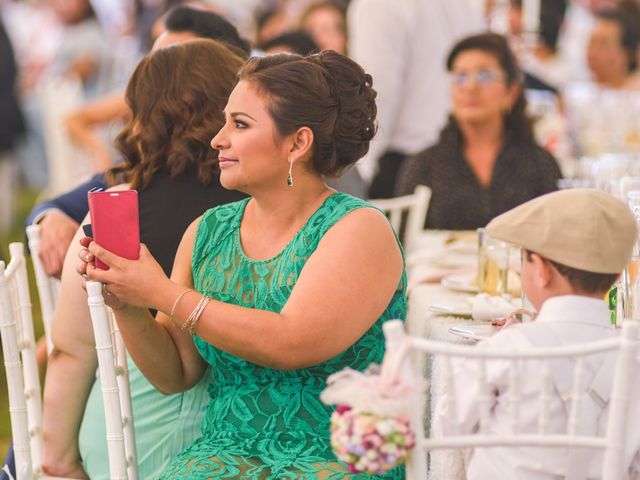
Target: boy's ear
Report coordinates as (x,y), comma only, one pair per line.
(543,271)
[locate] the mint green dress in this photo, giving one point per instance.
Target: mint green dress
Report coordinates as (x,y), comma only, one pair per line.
(263,423)
(164,425)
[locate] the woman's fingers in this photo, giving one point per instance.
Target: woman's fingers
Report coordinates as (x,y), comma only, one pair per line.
(97,274)
(108,258)
(85,255)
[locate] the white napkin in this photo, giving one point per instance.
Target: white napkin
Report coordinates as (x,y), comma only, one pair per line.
(485,307)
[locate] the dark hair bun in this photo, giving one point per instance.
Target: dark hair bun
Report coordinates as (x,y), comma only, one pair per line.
(356,102)
(328,93)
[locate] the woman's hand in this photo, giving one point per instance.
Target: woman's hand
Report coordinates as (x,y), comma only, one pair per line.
(126,282)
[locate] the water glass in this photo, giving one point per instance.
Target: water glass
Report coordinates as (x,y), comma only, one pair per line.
(493,264)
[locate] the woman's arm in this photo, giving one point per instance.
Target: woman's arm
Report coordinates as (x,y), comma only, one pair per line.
(167,356)
(81,125)
(343,289)
(70,373)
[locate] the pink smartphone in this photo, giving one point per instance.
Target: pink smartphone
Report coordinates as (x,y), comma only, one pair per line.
(114,222)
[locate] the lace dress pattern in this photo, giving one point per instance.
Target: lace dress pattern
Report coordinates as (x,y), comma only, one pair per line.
(263,423)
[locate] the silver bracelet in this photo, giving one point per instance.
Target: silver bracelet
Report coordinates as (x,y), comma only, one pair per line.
(175,304)
(194,316)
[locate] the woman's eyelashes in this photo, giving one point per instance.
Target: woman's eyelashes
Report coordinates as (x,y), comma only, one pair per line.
(239,124)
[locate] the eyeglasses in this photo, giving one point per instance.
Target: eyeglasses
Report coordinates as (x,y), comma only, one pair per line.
(482,77)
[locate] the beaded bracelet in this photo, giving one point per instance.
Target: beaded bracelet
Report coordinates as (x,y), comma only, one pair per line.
(194,316)
(175,304)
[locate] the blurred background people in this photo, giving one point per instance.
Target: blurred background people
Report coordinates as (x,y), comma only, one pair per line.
(297,41)
(11,129)
(403,44)
(574,37)
(325,22)
(612,54)
(542,60)
(486,161)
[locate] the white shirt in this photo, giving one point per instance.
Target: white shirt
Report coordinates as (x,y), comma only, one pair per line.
(555,71)
(570,320)
(404,44)
(574,39)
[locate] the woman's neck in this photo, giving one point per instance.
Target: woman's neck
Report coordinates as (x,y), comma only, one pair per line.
(615,82)
(482,135)
(275,215)
(482,143)
(281,208)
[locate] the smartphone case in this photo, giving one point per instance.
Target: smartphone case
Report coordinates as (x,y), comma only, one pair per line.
(114,221)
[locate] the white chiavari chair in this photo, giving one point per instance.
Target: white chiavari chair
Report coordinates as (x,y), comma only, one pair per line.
(413,207)
(48,287)
(23,382)
(612,444)
(112,364)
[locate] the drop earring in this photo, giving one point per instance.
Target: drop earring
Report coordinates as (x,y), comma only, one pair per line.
(290,178)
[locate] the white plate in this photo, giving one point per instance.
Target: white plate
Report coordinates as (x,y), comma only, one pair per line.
(462,248)
(443,259)
(473,331)
(461,282)
(457,309)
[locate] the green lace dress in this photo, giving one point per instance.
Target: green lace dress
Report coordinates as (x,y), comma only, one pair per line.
(263,423)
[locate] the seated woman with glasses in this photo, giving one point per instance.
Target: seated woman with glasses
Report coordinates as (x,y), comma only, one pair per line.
(486,161)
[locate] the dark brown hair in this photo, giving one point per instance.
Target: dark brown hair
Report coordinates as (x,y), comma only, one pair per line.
(176,96)
(582,280)
(328,93)
(626,17)
(496,45)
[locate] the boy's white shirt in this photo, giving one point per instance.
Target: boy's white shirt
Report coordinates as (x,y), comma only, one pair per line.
(573,319)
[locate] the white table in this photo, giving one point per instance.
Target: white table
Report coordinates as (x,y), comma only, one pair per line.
(443,464)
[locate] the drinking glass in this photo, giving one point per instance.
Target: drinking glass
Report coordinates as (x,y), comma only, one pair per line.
(493,264)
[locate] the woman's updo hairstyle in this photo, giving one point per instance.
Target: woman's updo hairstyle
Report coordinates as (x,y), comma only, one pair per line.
(328,93)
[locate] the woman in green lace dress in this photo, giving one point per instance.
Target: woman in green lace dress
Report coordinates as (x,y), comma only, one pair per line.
(289,286)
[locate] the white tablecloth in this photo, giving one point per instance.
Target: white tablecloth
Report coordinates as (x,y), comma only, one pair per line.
(443,464)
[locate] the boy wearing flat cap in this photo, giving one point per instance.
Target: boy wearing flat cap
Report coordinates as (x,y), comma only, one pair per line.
(575,243)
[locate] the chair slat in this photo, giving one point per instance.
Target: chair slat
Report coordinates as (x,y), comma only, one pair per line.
(15,381)
(48,288)
(546,388)
(115,388)
(577,397)
(513,396)
(124,391)
(31,376)
(484,401)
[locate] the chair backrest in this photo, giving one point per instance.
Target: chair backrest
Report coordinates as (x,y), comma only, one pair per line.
(48,287)
(411,207)
(112,364)
(18,346)
(613,443)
